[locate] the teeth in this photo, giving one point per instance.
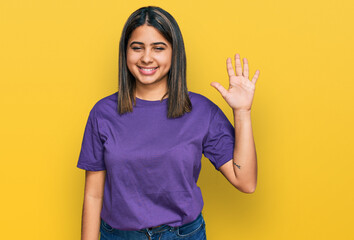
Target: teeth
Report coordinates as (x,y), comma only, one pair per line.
(148,69)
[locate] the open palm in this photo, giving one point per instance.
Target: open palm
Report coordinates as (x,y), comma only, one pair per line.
(241,90)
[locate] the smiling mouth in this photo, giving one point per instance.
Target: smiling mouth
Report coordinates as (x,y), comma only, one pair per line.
(147,71)
(153,68)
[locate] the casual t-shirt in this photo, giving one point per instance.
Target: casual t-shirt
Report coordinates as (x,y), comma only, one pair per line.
(153,162)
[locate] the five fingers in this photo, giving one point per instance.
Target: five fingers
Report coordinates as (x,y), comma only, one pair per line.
(230,69)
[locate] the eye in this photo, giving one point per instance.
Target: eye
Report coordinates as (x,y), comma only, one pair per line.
(136,48)
(159,49)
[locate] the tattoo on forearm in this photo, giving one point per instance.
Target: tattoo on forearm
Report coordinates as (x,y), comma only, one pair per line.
(237,165)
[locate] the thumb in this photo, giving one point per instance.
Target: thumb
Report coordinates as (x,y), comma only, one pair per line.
(220,88)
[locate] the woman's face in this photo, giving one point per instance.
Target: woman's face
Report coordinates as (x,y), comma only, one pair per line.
(148,55)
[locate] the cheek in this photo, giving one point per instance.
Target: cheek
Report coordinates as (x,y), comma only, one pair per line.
(132,56)
(131,61)
(167,60)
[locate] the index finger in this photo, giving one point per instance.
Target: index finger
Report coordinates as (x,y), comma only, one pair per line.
(230,69)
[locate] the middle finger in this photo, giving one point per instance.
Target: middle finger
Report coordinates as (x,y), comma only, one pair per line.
(238,65)
(245,68)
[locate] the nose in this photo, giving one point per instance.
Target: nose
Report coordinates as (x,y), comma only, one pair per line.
(146,58)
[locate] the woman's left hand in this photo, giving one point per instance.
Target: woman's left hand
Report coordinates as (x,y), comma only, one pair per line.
(241,90)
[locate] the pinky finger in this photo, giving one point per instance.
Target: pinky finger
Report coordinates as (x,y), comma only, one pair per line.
(255,77)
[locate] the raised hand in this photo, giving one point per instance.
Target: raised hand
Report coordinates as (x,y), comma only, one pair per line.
(241,90)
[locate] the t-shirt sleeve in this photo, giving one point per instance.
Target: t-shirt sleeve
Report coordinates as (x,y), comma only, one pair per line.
(218,146)
(91,154)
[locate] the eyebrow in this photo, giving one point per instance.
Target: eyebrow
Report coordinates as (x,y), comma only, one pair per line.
(155,43)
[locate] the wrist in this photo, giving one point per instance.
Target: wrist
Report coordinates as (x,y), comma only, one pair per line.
(242,114)
(241,111)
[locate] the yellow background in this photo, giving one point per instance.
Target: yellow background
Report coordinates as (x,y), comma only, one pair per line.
(58,58)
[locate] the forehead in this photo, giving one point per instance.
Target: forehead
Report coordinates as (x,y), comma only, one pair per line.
(147,35)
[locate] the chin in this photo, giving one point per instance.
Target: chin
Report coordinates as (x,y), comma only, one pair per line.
(146,82)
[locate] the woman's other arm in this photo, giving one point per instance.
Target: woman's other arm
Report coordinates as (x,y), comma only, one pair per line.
(93,198)
(243,172)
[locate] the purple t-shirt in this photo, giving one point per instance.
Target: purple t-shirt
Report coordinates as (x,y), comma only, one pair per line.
(152,162)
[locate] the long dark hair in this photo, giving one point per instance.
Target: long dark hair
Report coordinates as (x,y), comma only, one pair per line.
(178,98)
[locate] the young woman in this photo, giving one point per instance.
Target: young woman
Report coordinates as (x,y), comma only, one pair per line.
(143,144)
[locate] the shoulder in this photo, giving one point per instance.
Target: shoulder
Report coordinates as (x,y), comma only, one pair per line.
(202,101)
(105,104)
